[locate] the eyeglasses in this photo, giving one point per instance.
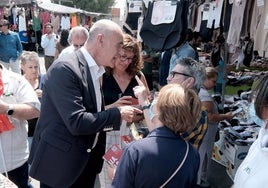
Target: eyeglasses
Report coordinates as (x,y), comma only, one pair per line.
(124,58)
(78,46)
(173,73)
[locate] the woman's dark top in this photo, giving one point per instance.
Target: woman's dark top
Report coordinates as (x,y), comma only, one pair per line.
(112,91)
(32,122)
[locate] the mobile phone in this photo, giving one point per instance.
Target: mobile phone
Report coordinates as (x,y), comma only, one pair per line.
(134,101)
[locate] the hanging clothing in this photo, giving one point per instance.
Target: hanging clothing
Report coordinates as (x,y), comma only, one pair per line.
(246,21)
(261,39)
(73,20)
(227,16)
(163,32)
(65,22)
(215,10)
(255,19)
(22,21)
(55,21)
(45,18)
(236,22)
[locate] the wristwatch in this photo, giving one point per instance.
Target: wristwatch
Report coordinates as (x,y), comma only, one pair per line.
(10,110)
(146,106)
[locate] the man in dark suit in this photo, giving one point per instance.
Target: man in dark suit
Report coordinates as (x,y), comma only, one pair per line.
(69,140)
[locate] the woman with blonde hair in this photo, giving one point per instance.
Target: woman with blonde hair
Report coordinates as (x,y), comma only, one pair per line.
(163,158)
(214,117)
(31,71)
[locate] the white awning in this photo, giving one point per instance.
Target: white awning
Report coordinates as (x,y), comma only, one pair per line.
(17,2)
(58,8)
(53,7)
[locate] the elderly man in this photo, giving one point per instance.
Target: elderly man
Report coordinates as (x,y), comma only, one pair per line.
(191,74)
(69,139)
(77,38)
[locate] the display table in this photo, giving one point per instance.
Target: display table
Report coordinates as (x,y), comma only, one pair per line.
(235,138)
(233,145)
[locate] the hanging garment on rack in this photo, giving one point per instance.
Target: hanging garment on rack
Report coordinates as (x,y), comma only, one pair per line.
(236,23)
(261,37)
(65,22)
(164,24)
(134,11)
(255,18)
(55,21)
(215,9)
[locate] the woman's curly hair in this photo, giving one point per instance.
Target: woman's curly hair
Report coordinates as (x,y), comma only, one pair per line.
(131,45)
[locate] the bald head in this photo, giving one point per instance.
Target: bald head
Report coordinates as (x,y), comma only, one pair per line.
(106,27)
(104,41)
(78,34)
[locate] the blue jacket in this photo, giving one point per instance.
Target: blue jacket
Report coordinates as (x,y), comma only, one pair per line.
(149,162)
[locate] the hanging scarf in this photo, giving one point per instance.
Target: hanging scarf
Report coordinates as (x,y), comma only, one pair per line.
(5,124)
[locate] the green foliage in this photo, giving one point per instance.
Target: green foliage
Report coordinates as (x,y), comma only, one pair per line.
(232,90)
(101,6)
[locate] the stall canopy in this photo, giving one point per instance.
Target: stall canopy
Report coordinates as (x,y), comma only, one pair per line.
(58,8)
(53,7)
(17,2)
(48,5)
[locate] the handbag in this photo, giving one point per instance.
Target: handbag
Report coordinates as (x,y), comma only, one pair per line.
(179,167)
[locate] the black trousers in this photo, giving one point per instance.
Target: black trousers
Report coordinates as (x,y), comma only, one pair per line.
(20,176)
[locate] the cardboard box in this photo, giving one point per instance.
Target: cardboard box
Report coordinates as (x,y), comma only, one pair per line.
(217,154)
(234,154)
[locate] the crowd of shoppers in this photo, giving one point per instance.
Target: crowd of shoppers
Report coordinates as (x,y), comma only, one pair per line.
(175,161)
(92,90)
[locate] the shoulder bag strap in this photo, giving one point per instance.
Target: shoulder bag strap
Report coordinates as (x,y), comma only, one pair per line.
(179,167)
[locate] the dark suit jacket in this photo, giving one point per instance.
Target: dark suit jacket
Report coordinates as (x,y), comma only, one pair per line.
(68,123)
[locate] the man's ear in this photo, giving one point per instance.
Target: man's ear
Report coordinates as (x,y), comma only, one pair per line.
(189,82)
